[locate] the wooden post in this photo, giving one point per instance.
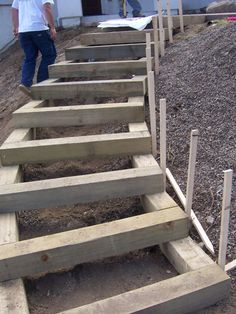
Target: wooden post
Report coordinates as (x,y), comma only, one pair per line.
(156,45)
(152,111)
(163,138)
(191,171)
(161,29)
(170,21)
(181,18)
(225,215)
(148,52)
(194,218)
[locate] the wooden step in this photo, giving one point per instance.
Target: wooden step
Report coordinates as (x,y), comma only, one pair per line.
(67,69)
(77,189)
(78,115)
(67,249)
(80,147)
(12,293)
(183,294)
(136,86)
(122,37)
(107,52)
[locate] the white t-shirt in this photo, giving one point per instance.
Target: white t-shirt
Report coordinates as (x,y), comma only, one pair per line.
(31,15)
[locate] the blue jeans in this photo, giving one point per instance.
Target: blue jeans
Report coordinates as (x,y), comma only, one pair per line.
(134,4)
(32,43)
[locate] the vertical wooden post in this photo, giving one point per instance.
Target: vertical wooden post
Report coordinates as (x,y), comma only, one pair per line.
(161,29)
(191,171)
(148,52)
(170,21)
(225,215)
(152,111)
(156,45)
(181,18)
(163,138)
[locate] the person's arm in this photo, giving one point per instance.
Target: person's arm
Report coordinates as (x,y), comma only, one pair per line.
(50,19)
(15,20)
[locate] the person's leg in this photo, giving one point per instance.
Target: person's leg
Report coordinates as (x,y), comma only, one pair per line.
(135,6)
(29,63)
(121,11)
(47,48)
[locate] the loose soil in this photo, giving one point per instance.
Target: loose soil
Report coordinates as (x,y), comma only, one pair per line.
(198,79)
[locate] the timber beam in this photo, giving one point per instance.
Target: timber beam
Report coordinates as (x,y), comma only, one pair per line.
(107,52)
(64,116)
(68,69)
(136,86)
(68,249)
(122,37)
(80,147)
(183,294)
(77,189)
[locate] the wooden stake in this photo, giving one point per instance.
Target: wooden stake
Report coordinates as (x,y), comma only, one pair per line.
(148,52)
(181,18)
(230,266)
(191,171)
(225,215)
(195,221)
(156,45)
(163,138)
(170,21)
(152,110)
(162,34)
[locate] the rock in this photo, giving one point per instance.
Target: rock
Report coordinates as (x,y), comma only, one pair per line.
(222,6)
(210,220)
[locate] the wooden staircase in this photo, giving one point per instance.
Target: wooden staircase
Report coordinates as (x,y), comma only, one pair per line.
(201,282)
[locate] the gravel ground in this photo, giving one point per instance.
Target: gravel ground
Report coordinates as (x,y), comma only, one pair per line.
(198,80)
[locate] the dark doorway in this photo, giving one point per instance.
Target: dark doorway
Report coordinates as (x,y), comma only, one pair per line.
(91,7)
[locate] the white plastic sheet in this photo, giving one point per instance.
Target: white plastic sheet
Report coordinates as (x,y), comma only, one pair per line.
(138,23)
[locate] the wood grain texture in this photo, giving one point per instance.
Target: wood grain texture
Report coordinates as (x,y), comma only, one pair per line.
(186,293)
(77,189)
(80,147)
(106,52)
(67,249)
(67,69)
(122,37)
(109,88)
(78,115)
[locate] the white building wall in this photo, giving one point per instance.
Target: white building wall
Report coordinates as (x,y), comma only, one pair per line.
(69,12)
(6,35)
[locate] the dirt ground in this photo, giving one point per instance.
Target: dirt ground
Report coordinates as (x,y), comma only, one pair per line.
(198,79)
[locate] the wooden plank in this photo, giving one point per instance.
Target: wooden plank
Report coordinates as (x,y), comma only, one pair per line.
(78,115)
(181,18)
(162,34)
(156,45)
(182,294)
(193,19)
(186,255)
(12,293)
(120,37)
(77,189)
(109,88)
(230,266)
(152,110)
(191,171)
(194,218)
(67,249)
(106,52)
(225,216)
(80,147)
(67,69)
